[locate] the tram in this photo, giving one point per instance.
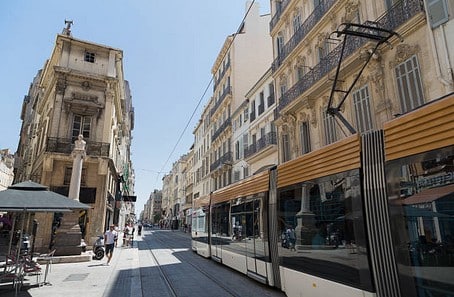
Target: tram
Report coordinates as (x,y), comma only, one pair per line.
(370,215)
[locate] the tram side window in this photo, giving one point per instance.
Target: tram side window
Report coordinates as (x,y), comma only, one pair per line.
(421,202)
(247,227)
(326,219)
(220,220)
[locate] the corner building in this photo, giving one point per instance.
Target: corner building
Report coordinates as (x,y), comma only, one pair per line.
(80,90)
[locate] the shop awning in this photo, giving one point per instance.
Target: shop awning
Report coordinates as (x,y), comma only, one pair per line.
(429,195)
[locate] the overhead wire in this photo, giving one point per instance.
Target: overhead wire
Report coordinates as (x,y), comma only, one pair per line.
(206,89)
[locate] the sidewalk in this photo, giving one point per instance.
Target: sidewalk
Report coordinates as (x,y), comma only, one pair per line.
(90,279)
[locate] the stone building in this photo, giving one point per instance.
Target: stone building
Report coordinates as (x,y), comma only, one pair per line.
(6,169)
(81,90)
(237,67)
(348,71)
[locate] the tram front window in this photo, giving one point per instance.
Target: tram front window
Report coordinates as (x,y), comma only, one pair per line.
(326,220)
(421,201)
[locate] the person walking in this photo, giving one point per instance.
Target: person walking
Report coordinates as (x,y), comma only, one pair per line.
(109,242)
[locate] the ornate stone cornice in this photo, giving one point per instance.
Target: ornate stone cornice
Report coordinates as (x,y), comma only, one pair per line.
(61,85)
(403,52)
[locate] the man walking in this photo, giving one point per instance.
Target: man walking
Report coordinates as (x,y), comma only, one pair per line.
(109,242)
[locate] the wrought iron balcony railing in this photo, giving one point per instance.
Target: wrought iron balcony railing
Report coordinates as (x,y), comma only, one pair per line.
(221,129)
(391,20)
(226,159)
(279,11)
(269,139)
(302,31)
(216,83)
(227,91)
(65,146)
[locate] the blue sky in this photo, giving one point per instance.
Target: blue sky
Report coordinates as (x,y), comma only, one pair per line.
(169,48)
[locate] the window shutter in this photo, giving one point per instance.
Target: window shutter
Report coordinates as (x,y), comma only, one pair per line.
(438,12)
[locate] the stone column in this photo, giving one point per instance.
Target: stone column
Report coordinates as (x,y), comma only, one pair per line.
(78,154)
(68,237)
(305,228)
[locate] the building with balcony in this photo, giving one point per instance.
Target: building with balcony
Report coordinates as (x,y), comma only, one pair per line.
(260,149)
(81,90)
(348,70)
(151,213)
(237,67)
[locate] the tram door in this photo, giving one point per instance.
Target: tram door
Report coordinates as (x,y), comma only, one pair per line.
(220,229)
(254,239)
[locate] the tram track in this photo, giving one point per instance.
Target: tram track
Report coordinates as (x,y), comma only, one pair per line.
(168,282)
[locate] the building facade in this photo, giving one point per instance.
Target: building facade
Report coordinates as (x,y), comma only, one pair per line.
(81,90)
(346,70)
(350,81)
(6,169)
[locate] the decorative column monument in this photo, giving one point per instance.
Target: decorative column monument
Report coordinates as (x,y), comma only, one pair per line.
(78,154)
(305,221)
(68,237)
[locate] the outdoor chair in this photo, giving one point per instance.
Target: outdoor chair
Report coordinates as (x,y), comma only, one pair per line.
(48,259)
(32,268)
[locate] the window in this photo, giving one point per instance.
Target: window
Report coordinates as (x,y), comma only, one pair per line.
(236,175)
(300,72)
(252,115)
(409,84)
(305,138)
(68,173)
(285,148)
(261,103)
(296,22)
(438,12)
(283,89)
(245,144)
(245,171)
(329,126)
(271,96)
(332,223)
(89,57)
(280,45)
(323,50)
(81,125)
(420,193)
(363,115)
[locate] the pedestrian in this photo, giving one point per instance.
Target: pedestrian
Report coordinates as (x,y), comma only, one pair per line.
(291,237)
(109,242)
(139,232)
(116,235)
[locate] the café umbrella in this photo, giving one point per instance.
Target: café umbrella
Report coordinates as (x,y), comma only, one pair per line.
(30,197)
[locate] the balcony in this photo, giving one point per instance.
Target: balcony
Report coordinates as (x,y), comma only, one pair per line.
(216,83)
(280,8)
(270,99)
(261,108)
(226,159)
(269,139)
(302,32)
(251,117)
(65,146)
(221,129)
(391,20)
(227,91)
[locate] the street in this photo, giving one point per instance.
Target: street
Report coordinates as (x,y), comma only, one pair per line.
(160,263)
